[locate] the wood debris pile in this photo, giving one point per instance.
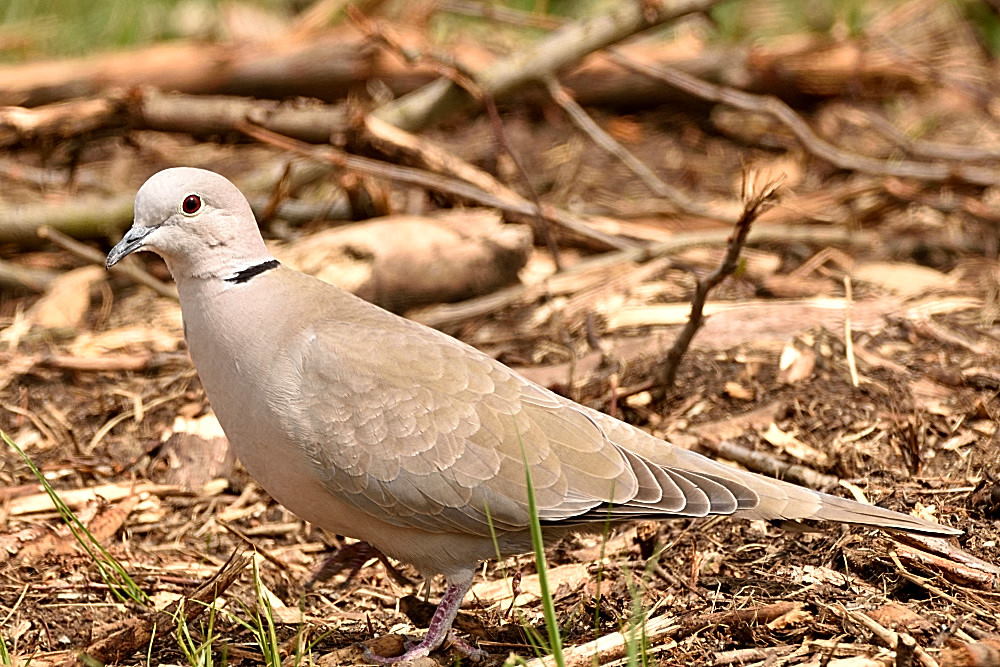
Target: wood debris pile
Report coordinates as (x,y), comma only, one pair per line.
(551,190)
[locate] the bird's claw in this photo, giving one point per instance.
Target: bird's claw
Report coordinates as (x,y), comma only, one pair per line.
(468,651)
(414,649)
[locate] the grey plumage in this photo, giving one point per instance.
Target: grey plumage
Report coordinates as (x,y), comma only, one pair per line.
(382,429)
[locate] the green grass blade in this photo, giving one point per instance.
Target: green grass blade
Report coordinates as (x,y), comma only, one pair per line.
(262,626)
(268,631)
(117,578)
(4,651)
(538,544)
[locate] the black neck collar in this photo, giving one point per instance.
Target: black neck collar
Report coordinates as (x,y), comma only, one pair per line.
(255,270)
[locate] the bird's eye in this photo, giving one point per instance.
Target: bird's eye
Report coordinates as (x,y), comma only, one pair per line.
(191,205)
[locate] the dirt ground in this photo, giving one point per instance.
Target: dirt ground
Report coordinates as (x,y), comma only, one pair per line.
(855,350)
(918,433)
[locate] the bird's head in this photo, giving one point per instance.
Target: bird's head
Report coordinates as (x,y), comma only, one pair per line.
(198,221)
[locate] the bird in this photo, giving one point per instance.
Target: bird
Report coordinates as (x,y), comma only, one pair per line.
(376,427)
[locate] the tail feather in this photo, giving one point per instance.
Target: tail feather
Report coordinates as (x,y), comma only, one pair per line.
(783,500)
(835,508)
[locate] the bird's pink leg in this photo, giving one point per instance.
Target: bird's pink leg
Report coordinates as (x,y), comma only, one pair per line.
(439,628)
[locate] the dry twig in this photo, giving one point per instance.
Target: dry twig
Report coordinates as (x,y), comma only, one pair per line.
(772,106)
(658,186)
(767,464)
(463,77)
(136,632)
(435,182)
(25,277)
(890,638)
(852,363)
(497,12)
(755,205)
(89,254)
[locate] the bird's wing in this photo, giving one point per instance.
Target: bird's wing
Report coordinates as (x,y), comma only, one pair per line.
(419,430)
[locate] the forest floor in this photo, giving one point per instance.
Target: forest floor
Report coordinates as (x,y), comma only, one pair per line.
(856,350)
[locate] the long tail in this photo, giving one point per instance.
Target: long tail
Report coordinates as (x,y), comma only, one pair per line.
(776,499)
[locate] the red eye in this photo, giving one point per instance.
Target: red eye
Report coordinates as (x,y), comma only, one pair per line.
(192,203)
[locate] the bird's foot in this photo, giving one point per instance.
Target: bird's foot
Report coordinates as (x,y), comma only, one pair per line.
(468,651)
(418,650)
(422,648)
(437,632)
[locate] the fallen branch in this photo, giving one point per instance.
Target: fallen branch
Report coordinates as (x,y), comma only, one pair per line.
(25,277)
(79,217)
(768,464)
(146,361)
(200,115)
(956,564)
(933,150)
(660,629)
(772,106)
(328,66)
(890,638)
(106,216)
(496,12)
(605,141)
(563,47)
(403,261)
(755,205)
(147,108)
(431,156)
(436,182)
(451,314)
(609,648)
(463,77)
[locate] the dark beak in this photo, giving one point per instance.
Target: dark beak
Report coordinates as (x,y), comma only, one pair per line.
(131,242)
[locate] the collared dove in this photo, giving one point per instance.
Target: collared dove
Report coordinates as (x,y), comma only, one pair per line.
(382,429)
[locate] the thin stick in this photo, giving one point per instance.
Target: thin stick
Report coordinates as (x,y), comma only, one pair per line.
(774,107)
(755,205)
(89,254)
(567,45)
(501,139)
(852,364)
(890,638)
(497,12)
(770,465)
(437,182)
(464,77)
(582,120)
(25,277)
(265,554)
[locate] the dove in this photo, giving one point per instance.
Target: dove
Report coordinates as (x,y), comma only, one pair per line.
(379,428)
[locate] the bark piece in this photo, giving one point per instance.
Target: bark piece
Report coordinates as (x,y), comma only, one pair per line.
(67,300)
(400,262)
(197,451)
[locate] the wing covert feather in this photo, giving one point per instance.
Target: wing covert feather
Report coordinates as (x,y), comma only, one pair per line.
(433,434)
(424,435)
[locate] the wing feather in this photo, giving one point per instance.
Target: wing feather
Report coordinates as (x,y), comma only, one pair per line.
(432,434)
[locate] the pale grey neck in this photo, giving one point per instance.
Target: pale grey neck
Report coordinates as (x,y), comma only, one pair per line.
(216,266)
